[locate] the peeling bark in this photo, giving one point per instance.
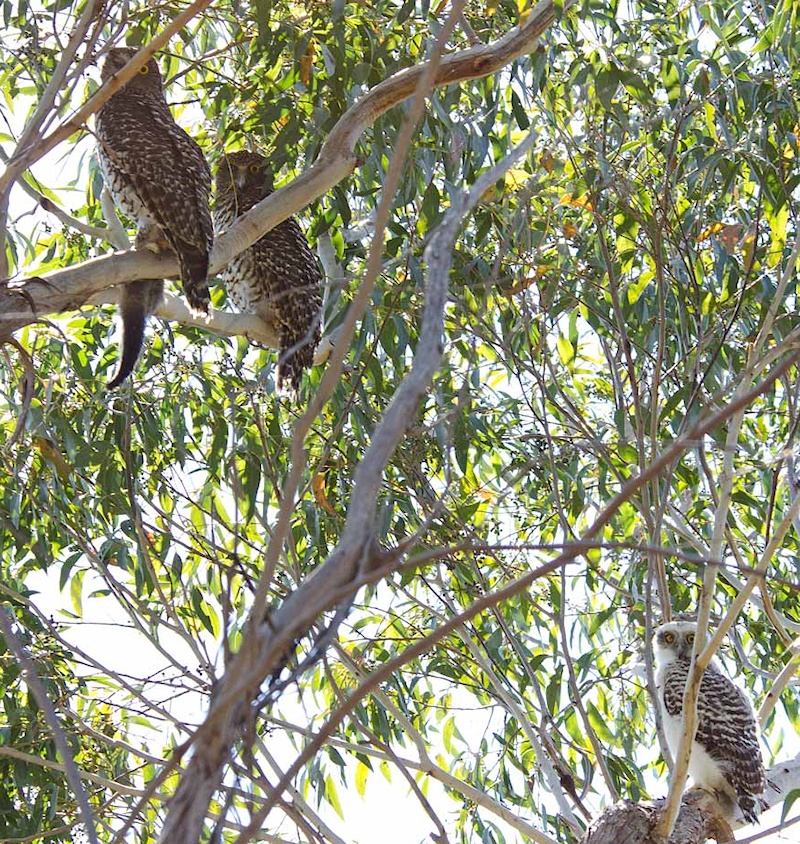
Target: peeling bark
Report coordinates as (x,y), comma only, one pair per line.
(635,823)
(700,818)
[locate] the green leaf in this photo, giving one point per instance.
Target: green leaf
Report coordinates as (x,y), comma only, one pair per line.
(361,778)
(566,351)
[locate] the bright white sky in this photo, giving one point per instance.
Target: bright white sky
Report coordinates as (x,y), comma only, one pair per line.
(390,808)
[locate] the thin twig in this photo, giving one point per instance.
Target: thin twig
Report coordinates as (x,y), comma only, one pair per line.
(48,711)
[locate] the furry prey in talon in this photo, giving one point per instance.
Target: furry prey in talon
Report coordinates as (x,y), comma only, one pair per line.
(139,301)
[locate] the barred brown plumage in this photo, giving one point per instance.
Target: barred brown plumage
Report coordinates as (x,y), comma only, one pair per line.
(158,176)
(276,278)
(725,756)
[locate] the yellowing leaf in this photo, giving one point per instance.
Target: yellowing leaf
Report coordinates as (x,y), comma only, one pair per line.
(577,201)
(76,591)
(748,244)
(307,62)
(318,488)
(566,351)
(447,734)
(47,448)
(710,113)
(333,796)
(305,70)
(516,178)
(778,235)
(712,229)
(361,778)
(638,287)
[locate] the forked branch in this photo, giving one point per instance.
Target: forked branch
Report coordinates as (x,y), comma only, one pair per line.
(26,301)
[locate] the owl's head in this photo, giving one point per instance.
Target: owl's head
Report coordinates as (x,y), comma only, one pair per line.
(242,170)
(148,77)
(674,641)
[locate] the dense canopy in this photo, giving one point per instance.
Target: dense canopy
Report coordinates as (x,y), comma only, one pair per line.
(559,407)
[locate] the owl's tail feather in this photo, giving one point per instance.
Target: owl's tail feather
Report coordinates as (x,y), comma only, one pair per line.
(194,277)
(139,301)
(296,355)
(750,806)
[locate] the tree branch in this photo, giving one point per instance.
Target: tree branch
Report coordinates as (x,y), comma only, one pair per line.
(697,821)
(25,301)
(356,554)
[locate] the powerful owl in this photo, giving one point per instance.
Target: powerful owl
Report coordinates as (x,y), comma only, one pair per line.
(158,176)
(725,756)
(276,278)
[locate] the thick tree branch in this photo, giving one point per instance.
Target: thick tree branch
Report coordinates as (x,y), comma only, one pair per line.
(697,819)
(356,555)
(634,823)
(28,300)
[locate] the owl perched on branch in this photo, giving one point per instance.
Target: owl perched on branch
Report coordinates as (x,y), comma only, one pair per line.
(276,278)
(159,177)
(725,756)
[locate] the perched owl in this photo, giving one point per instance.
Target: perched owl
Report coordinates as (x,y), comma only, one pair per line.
(277,278)
(725,756)
(158,176)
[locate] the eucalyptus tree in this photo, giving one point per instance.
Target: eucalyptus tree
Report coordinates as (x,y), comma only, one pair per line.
(555,405)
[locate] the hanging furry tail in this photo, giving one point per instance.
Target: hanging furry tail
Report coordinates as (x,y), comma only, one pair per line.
(139,301)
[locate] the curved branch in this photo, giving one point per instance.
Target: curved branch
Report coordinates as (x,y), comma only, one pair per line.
(27,300)
(356,556)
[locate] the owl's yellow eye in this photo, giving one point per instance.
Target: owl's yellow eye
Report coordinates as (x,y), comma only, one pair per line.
(669,638)
(255,168)
(144,70)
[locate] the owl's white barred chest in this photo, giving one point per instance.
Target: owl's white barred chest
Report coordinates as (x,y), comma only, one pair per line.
(725,755)
(703,769)
(111,123)
(241,278)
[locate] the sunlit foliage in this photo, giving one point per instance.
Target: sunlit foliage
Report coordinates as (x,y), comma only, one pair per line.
(606,296)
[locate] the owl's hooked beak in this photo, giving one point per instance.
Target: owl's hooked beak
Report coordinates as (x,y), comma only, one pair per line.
(240,178)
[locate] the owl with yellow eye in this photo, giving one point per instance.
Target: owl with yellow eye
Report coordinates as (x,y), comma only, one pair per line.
(277,278)
(725,755)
